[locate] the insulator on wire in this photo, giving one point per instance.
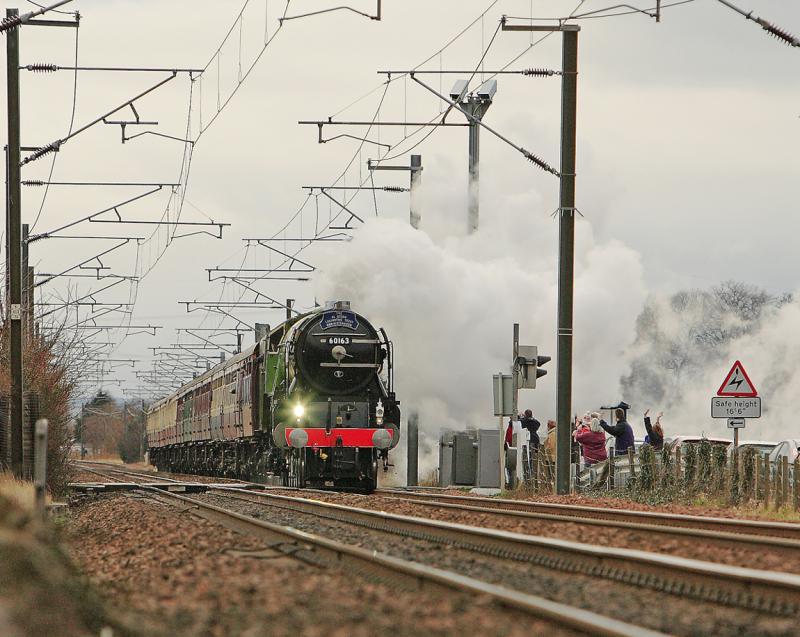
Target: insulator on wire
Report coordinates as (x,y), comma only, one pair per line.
(394,189)
(12,22)
(42,67)
(779,33)
(32,182)
(540,163)
(44,150)
(538,72)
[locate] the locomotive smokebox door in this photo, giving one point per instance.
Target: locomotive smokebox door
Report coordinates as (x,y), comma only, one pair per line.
(340,352)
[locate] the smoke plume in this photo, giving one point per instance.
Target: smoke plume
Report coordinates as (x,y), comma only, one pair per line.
(449,304)
(686,344)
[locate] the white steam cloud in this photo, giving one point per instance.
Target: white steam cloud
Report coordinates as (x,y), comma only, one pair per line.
(769,351)
(449,305)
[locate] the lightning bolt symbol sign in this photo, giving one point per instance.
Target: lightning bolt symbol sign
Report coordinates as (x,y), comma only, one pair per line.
(736,381)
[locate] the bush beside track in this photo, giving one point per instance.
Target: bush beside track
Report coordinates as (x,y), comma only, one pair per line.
(41,592)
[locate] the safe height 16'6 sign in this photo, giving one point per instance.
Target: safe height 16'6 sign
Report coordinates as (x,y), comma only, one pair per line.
(737,396)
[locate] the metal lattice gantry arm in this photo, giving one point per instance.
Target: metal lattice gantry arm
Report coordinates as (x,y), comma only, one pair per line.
(377,15)
(353,215)
(259,294)
(193,333)
(214,224)
(371,124)
(150,329)
(252,274)
(292,259)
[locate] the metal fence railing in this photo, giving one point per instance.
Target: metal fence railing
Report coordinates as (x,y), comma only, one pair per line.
(746,476)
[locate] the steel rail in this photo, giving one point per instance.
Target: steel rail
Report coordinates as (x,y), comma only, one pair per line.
(411,575)
(752,589)
(155,477)
(107,470)
(729,539)
(571,511)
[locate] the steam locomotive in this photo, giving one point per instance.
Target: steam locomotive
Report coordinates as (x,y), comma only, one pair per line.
(312,402)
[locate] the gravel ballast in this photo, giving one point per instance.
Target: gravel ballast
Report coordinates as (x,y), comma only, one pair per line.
(658,611)
(180,575)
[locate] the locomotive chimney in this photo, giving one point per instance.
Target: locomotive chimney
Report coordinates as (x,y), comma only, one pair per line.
(262,329)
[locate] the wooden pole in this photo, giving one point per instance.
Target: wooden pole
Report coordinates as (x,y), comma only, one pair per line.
(611,472)
(756,471)
(784,481)
(40,465)
(631,467)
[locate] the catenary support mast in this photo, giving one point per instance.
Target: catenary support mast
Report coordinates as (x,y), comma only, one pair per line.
(566,256)
(14,216)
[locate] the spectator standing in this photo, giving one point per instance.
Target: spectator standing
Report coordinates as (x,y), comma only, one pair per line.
(622,432)
(655,433)
(509,438)
(550,440)
(527,421)
(592,441)
(580,425)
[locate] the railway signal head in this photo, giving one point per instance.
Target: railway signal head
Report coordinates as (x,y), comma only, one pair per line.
(528,366)
(539,362)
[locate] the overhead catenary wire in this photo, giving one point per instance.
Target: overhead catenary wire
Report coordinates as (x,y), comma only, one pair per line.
(69,132)
(595,14)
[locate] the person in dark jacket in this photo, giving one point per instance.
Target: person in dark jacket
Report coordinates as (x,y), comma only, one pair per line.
(527,421)
(622,432)
(655,434)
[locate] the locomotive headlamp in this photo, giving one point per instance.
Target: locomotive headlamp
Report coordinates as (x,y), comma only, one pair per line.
(379,412)
(299,410)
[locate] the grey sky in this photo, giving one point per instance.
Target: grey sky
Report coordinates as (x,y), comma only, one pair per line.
(687,137)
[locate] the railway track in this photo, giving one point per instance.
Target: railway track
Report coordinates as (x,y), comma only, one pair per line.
(152,476)
(400,573)
(110,472)
(763,535)
(755,590)
(763,593)
(637,520)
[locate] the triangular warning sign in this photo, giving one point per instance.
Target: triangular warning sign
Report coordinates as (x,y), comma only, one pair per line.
(737,383)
